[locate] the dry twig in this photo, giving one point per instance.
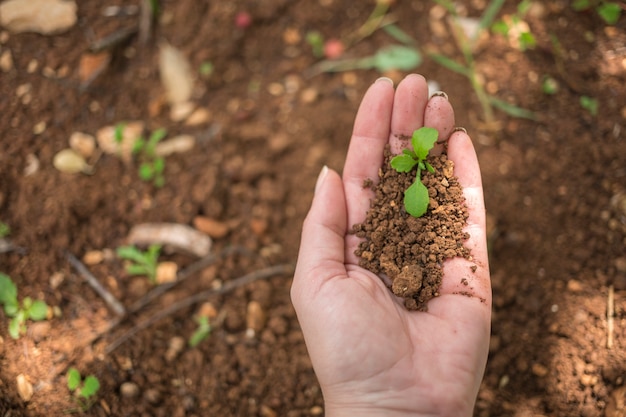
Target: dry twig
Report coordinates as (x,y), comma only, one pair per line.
(108,298)
(183,275)
(269,272)
(610,313)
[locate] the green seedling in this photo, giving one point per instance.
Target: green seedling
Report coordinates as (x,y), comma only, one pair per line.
(515,24)
(590,104)
(316,42)
(392,57)
(5,230)
(85,390)
(549,85)
(19,312)
(466,44)
(416,197)
(206,69)
(152,165)
(141,263)
(202,331)
(609,11)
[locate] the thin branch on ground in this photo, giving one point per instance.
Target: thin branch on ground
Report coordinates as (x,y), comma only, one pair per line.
(610,313)
(108,298)
(285,269)
(183,275)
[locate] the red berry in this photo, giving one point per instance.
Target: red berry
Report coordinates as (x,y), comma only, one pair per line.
(333,48)
(243,20)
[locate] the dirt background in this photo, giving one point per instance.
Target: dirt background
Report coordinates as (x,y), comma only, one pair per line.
(555,191)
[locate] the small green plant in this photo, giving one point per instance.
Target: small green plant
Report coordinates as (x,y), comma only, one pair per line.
(416,196)
(590,104)
(152,165)
(466,44)
(28,309)
(206,69)
(142,263)
(85,390)
(316,42)
(515,24)
(549,85)
(609,11)
(202,331)
(5,230)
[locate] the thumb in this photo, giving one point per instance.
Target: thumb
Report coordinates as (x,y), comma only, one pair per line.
(321,255)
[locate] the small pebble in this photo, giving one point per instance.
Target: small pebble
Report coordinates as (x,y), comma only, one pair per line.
(129,390)
(83,143)
(176,345)
(152,396)
(213,228)
(539,370)
(166,272)
(6,61)
(255,316)
(574,285)
(24,388)
(200,116)
(93,257)
(316,410)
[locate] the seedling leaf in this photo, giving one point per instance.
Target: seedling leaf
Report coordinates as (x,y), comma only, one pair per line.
(450,64)
(130,253)
(73,379)
(423,140)
(38,310)
(609,12)
(201,333)
(512,109)
(91,385)
(8,290)
(14,328)
(416,199)
(396,57)
(403,163)
(398,34)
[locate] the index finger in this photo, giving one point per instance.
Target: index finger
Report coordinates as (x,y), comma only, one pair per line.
(367,144)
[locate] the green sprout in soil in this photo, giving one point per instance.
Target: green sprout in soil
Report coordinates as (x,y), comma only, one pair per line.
(152,165)
(5,230)
(590,104)
(84,390)
(206,69)
(202,331)
(515,22)
(316,42)
(416,196)
(466,45)
(142,263)
(609,11)
(549,85)
(28,309)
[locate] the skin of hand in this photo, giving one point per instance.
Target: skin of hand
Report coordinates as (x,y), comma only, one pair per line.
(371,356)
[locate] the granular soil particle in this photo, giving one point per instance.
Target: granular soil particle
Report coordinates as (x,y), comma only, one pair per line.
(410,251)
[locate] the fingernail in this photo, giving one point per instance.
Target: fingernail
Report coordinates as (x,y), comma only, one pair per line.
(460,129)
(321,177)
(386,79)
(439,94)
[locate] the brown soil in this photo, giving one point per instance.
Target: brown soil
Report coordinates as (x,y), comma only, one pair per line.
(554,188)
(406,250)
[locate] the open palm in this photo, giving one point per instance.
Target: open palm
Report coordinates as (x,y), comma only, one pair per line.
(371,355)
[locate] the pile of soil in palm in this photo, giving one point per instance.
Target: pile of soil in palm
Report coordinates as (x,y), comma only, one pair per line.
(410,251)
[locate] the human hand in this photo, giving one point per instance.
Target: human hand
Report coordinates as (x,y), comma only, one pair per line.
(371,356)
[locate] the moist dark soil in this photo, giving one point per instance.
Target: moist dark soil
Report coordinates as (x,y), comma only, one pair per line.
(409,251)
(555,190)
